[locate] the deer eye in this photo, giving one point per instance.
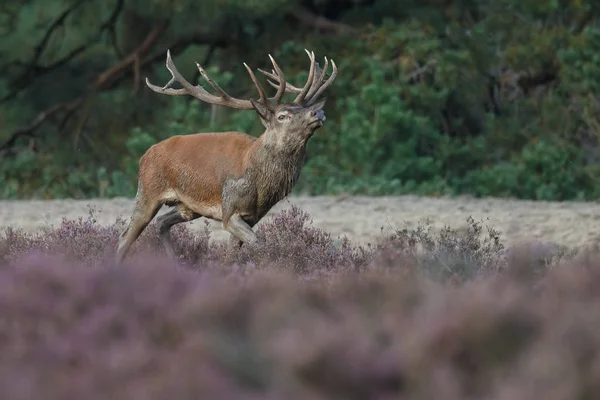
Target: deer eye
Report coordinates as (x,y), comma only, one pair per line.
(281,117)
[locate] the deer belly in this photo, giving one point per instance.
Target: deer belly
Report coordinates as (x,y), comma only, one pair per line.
(206,206)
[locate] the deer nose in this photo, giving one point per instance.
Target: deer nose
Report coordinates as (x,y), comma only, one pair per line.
(318,114)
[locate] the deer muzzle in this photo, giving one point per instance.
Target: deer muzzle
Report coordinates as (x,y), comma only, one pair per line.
(319,114)
(318,117)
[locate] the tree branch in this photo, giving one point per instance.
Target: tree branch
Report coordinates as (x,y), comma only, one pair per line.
(110,23)
(32,67)
(29,130)
(104,80)
(175,48)
(583,22)
(35,70)
(39,49)
(110,26)
(528,82)
(320,23)
(109,78)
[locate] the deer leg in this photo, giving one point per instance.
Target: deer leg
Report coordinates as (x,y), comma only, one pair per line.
(141,217)
(240,229)
(166,221)
(234,242)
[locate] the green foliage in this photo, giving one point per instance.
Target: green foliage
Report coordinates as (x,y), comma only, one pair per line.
(483,98)
(541,171)
(581,62)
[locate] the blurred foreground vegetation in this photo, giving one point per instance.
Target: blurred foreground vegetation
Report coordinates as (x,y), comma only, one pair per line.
(433,97)
(422,314)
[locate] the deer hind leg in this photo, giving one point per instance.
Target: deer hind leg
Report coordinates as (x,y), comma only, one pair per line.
(143,212)
(166,221)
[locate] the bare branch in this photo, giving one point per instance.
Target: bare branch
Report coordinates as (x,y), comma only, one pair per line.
(29,129)
(110,24)
(109,79)
(103,82)
(320,23)
(34,70)
(136,74)
(39,49)
(176,48)
(528,81)
(32,66)
(104,79)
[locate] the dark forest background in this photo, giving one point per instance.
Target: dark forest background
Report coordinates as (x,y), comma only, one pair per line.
(433,97)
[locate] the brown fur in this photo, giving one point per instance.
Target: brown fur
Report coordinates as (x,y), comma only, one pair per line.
(201,160)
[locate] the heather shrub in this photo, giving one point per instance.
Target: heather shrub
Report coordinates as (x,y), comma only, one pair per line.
(457,253)
(85,241)
(290,242)
(424,314)
(155,328)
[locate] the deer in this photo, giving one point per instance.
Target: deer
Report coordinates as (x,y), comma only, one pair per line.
(230,177)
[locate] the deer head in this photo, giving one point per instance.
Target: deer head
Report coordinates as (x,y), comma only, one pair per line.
(287,125)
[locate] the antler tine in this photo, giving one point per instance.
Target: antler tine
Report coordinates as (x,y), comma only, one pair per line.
(261,91)
(317,83)
(270,75)
(317,87)
(197,91)
(289,88)
(212,83)
(313,87)
(283,83)
(311,76)
(307,95)
(175,77)
(324,85)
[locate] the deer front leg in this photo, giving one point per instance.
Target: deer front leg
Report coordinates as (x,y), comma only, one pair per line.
(234,243)
(236,225)
(238,202)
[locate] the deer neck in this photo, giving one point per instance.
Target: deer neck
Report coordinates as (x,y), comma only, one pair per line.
(275,170)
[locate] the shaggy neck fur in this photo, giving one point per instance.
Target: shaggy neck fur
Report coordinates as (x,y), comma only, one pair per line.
(275,171)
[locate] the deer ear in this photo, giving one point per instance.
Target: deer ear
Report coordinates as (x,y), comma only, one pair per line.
(319,104)
(262,110)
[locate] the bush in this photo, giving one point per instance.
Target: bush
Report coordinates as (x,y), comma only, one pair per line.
(489,105)
(422,314)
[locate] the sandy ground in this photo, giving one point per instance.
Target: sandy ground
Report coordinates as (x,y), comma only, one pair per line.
(362,218)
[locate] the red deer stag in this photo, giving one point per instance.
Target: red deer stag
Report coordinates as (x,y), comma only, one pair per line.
(230,177)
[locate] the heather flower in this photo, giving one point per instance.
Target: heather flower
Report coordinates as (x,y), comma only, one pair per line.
(420,315)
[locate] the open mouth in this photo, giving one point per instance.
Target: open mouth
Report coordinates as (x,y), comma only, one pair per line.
(316,123)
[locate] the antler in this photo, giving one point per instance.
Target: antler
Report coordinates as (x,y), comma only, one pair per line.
(312,89)
(222,99)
